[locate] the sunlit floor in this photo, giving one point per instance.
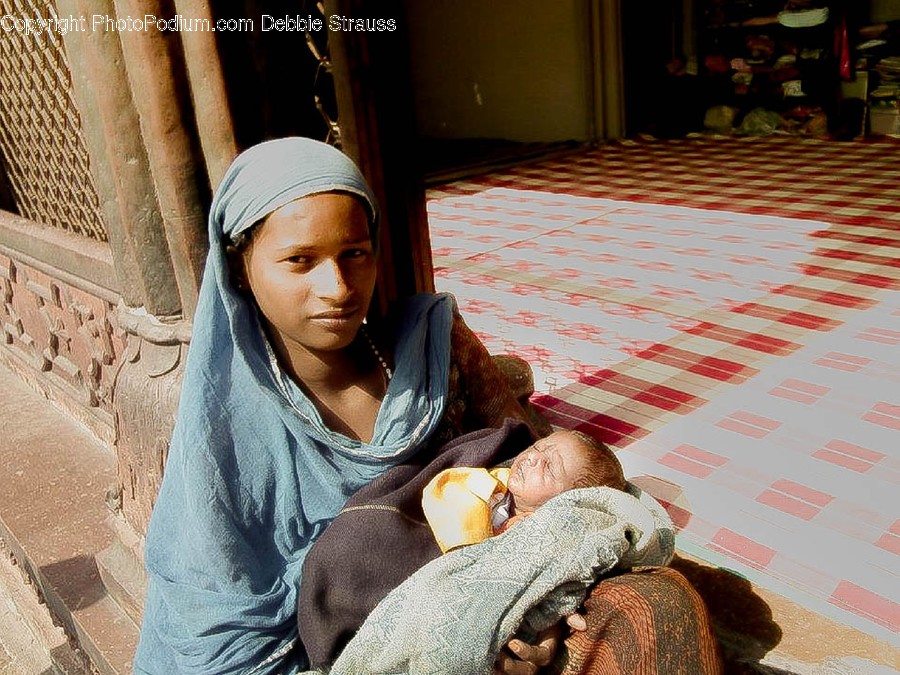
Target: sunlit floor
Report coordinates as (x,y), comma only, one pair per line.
(727,314)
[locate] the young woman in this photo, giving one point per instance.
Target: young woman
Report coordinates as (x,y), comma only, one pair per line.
(289,404)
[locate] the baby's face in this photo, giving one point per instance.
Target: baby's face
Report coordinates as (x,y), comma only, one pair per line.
(547,468)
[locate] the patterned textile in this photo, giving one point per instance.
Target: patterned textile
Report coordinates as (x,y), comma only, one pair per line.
(456,613)
(646,622)
(460,504)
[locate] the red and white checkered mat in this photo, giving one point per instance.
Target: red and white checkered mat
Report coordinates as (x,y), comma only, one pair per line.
(727,314)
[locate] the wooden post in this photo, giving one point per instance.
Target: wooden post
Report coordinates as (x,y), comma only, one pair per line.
(375,114)
(157,75)
(208,91)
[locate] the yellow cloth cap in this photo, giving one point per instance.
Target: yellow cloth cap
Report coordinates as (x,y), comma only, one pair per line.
(457,504)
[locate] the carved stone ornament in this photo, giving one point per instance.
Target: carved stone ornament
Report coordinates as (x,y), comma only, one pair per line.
(65,334)
(145,402)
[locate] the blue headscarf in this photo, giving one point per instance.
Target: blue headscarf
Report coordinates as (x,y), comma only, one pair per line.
(253,474)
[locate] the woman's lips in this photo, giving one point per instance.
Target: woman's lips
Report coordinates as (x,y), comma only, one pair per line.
(338,318)
(337,313)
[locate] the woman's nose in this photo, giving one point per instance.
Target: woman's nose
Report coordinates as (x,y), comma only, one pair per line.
(329,281)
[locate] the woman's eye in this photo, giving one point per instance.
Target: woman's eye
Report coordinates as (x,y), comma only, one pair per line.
(302,260)
(355,253)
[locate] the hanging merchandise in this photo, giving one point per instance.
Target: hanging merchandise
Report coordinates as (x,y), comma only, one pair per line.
(720,118)
(793,88)
(803,18)
(761,122)
(842,50)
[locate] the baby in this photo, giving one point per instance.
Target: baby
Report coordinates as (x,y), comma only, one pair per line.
(467,505)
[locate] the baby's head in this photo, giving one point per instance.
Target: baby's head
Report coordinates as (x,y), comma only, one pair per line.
(561,461)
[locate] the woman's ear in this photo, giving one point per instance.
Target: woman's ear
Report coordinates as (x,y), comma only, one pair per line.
(237,268)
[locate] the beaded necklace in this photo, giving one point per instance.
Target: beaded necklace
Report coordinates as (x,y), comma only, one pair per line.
(388,373)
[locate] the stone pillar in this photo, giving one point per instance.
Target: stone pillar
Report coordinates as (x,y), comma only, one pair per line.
(147,391)
(119,165)
(208,91)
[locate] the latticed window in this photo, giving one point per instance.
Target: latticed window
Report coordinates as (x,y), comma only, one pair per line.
(41,143)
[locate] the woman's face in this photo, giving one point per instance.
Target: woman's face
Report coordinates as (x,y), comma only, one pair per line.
(311,269)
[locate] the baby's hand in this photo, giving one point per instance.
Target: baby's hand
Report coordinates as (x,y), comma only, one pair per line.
(528,659)
(576,621)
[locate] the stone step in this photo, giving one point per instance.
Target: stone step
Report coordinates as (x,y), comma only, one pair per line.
(30,643)
(54,476)
(123,578)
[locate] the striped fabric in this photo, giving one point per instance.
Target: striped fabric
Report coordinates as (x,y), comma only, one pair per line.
(649,622)
(726,313)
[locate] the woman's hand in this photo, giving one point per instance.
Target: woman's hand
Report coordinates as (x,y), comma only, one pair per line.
(526,659)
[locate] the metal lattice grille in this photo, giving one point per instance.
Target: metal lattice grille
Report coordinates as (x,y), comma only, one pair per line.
(40,129)
(323,84)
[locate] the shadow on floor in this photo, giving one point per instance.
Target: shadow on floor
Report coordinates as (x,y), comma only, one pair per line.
(76,580)
(743,620)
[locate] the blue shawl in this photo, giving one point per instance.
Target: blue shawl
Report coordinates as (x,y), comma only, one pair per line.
(253,475)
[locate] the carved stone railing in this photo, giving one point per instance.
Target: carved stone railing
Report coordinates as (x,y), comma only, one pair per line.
(59,330)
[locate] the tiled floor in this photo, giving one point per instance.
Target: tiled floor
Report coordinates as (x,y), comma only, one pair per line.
(727,314)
